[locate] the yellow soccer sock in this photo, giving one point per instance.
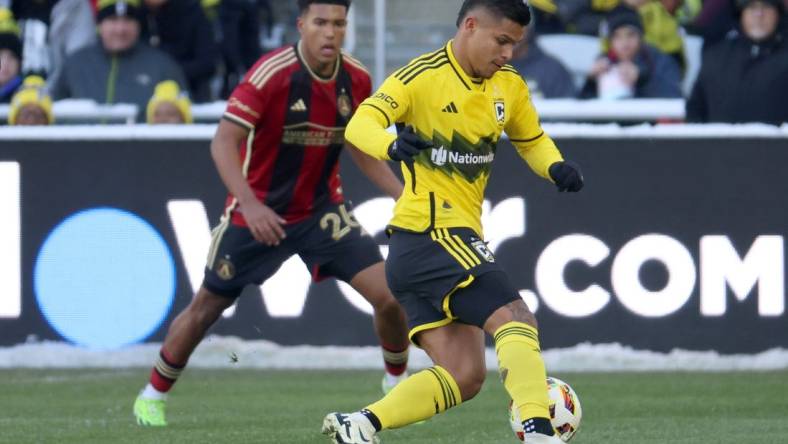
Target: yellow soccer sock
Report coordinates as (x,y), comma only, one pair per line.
(421,396)
(522,369)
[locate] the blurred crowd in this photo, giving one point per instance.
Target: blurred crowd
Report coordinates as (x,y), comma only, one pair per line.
(163,55)
(744,61)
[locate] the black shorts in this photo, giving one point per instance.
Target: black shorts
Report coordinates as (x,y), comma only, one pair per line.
(331,243)
(445,275)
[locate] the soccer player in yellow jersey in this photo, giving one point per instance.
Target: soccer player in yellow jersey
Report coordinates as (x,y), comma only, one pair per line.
(451,107)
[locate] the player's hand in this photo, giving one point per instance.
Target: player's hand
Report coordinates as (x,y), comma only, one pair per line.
(407,146)
(264,223)
(567,176)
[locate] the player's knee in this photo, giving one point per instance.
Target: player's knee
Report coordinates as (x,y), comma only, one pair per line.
(521,313)
(515,311)
(388,307)
(470,382)
(206,307)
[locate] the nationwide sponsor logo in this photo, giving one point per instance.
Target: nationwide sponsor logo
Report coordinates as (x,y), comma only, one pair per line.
(441,156)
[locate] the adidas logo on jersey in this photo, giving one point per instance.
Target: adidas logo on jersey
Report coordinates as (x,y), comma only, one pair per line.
(450,108)
(298,106)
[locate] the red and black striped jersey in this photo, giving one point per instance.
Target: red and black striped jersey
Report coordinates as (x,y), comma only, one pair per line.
(296,121)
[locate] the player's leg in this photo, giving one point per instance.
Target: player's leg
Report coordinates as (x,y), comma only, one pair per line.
(184,334)
(349,254)
(421,273)
(492,303)
(235,260)
(457,350)
(389,321)
(458,374)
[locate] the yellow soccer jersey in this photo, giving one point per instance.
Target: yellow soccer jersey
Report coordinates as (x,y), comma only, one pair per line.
(464,118)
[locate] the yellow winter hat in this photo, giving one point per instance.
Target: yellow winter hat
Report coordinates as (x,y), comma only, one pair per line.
(168,91)
(31,92)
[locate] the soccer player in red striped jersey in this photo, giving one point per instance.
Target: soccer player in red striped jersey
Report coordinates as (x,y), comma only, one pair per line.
(277,150)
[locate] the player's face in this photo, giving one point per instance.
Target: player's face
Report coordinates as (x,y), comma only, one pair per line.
(322,29)
(491,43)
(31,115)
(759,20)
(118,33)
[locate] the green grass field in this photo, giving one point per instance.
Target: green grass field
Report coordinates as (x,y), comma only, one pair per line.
(245,406)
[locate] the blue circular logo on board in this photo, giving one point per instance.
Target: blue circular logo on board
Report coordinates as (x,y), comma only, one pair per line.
(104,278)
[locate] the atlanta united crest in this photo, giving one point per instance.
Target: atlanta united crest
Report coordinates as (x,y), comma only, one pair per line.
(225,269)
(343,104)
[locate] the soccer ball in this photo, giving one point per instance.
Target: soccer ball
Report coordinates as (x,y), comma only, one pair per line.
(565,411)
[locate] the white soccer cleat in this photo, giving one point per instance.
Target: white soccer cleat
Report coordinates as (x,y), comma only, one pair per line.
(349,428)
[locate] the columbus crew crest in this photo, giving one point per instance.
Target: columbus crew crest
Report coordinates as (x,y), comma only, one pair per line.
(500,111)
(343,104)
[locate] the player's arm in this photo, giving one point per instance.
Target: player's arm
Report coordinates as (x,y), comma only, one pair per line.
(537,148)
(377,171)
(367,128)
(263,222)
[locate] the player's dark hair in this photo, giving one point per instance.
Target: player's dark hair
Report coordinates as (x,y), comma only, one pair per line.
(303,5)
(515,10)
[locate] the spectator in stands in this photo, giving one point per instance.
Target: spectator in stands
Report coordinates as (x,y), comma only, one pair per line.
(546,76)
(744,78)
(715,20)
(169,105)
(72,26)
(240,45)
(572,16)
(545,12)
(661,26)
(784,24)
(50,30)
(631,68)
(10,56)
(119,68)
(31,105)
(181,29)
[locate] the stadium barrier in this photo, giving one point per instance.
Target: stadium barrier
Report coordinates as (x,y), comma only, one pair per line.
(566,110)
(677,241)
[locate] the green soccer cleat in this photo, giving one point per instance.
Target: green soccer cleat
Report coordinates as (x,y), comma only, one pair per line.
(150,412)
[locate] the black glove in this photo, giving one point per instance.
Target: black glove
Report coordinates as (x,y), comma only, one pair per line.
(407,146)
(567,176)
